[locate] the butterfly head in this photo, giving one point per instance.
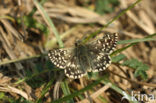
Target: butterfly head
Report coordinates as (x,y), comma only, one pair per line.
(78,43)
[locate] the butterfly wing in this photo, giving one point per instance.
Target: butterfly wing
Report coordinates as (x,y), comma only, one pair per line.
(101,63)
(66,59)
(99,52)
(59,57)
(74,69)
(106,44)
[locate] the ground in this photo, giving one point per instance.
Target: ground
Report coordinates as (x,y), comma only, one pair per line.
(29,29)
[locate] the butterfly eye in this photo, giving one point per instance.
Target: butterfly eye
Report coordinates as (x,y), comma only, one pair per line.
(77,43)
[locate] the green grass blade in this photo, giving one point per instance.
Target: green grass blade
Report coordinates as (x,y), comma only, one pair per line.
(45,90)
(34,9)
(114,87)
(133,42)
(100,80)
(50,23)
(115,18)
(66,91)
(68,97)
(136,40)
(118,58)
(34,75)
(30,77)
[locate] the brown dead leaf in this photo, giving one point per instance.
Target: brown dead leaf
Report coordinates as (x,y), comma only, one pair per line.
(4,79)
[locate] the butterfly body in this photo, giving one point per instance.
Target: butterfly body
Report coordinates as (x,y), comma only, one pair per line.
(83,58)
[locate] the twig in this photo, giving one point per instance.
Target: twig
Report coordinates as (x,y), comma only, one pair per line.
(137,82)
(87,95)
(97,93)
(120,68)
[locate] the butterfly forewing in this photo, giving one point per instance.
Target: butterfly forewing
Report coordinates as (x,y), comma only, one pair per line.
(106,44)
(60,57)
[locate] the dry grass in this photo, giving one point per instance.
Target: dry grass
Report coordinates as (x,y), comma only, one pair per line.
(22,43)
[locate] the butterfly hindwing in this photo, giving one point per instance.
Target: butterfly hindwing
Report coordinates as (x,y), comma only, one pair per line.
(101,63)
(73,69)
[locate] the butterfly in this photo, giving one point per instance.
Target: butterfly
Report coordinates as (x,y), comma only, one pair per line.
(83,58)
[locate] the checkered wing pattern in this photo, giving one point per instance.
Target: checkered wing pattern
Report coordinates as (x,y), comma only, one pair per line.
(105,45)
(65,59)
(73,69)
(60,57)
(100,63)
(99,51)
